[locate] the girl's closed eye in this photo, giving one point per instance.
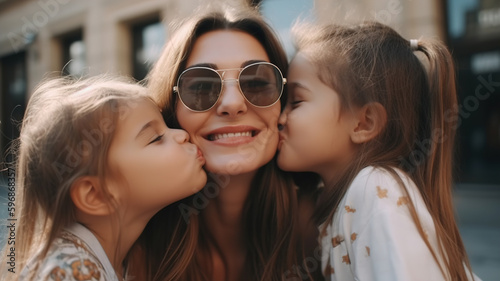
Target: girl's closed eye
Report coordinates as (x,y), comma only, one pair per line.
(158,138)
(297,95)
(295,100)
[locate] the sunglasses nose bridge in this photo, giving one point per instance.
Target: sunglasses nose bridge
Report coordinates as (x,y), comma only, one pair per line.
(234,73)
(234,82)
(231,80)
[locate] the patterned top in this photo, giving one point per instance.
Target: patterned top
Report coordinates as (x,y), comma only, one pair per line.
(373,235)
(75,255)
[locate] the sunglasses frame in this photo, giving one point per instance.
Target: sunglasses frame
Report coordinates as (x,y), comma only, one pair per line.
(221,76)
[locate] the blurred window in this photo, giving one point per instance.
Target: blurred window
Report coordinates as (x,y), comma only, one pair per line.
(474,38)
(74,54)
(12,99)
(148,39)
(281,14)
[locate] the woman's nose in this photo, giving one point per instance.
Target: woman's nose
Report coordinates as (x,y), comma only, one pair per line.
(231,102)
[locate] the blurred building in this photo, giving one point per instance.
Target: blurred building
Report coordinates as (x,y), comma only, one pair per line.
(69,37)
(474,36)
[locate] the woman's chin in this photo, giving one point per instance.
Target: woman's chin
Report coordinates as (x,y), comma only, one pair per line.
(234,166)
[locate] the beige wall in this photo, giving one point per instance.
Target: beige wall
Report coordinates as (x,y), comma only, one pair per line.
(411,18)
(107,34)
(105,25)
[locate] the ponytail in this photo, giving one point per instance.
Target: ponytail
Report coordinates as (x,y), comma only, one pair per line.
(436,173)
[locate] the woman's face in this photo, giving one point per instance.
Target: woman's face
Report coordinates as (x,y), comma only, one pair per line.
(235,136)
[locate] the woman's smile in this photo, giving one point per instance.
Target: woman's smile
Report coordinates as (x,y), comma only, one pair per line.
(234,135)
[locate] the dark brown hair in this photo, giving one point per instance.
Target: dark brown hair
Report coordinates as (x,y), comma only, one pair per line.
(371,62)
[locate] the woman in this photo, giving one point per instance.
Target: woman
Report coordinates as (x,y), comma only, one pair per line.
(220,79)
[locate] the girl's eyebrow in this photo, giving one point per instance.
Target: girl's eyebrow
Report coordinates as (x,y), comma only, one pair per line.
(298,85)
(145,128)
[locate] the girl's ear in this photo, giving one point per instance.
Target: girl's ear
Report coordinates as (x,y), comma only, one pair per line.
(89,197)
(371,119)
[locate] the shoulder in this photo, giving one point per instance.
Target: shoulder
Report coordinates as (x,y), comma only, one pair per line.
(371,175)
(68,258)
(373,182)
(377,190)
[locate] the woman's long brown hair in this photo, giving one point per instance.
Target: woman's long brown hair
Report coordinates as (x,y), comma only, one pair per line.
(370,62)
(175,241)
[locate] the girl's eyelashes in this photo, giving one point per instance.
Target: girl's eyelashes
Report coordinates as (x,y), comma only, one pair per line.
(295,101)
(295,98)
(158,138)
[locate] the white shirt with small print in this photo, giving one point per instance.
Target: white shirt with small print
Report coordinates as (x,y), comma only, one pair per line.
(373,236)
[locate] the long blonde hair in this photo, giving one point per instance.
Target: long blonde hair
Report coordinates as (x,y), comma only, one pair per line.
(66,133)
(270,211)
(370,62)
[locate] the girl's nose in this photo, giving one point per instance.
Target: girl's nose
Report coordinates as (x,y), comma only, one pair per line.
(282,119)
(180,136)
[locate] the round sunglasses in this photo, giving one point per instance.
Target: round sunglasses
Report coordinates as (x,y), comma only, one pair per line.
(199,88)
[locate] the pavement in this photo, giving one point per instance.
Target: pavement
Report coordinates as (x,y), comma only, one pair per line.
(478,218)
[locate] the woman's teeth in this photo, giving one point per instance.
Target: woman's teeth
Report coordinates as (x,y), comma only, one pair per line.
(230,135)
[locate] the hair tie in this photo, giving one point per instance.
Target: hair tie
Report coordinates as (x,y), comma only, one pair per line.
(414,44)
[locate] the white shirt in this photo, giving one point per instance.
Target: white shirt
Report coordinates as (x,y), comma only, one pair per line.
(373,236)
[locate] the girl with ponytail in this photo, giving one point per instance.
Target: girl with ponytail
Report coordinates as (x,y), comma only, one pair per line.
(375,116)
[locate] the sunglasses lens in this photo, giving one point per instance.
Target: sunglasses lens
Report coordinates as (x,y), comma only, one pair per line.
(261,84)
(199,88)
